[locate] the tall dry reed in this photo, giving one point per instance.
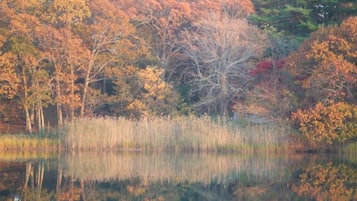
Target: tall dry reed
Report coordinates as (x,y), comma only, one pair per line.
(170,134)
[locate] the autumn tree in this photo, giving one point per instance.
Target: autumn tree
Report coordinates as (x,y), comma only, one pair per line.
(220,51)
(9,85)
(112,43)
(63,50)
(328,124)
(31,91)
(141,92)
(325,65)
(8,77)
(325,72)
(269,94)
(161,22)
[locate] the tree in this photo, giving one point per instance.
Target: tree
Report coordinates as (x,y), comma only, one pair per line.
(300,18)
(325,65)
(24,63)
(65,13)
(220,51)
(325,72)
(63,49)
(62,52)
(162,22)
(141,93)
(112,43)
(9,80)
(269,94)
(329,124)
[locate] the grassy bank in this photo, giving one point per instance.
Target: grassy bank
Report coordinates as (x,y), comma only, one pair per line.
(177,134)
(11,143)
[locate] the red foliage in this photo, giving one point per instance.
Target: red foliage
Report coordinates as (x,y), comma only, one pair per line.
(267,65)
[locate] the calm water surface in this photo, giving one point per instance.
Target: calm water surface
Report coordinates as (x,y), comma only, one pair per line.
(147,177)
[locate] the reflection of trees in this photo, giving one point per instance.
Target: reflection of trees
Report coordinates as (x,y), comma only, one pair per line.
(327,182)
(32,189)
(133,176)
(68,189)
(65,189)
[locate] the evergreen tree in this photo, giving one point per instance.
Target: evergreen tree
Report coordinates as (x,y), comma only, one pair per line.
(301,17)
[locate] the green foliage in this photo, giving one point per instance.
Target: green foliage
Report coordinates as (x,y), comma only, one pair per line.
(20,46)
(301,17)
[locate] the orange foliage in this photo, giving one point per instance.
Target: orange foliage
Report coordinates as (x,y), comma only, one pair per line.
(325,65)
(9,81)
(327,183)
(336,122)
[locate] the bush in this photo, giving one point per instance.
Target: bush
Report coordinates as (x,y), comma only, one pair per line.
(333,123)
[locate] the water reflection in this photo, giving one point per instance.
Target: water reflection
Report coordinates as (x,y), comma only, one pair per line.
(203,168)
(329,181)
(136,176)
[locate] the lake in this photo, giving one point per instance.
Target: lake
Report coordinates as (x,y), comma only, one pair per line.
(138,176)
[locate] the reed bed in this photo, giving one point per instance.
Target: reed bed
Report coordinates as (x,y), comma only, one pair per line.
(10,143)
(177,134)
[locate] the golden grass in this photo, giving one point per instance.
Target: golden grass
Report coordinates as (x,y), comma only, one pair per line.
(27,143)
(191,134)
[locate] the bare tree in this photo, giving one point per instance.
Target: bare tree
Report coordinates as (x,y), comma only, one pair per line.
(222,51)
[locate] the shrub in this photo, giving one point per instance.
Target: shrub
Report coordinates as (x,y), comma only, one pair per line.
(333,123)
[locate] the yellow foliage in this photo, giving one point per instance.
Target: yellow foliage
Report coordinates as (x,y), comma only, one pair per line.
(156,96)
(67,11)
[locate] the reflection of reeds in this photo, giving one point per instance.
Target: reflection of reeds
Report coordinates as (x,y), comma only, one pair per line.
(176,134)
(204,168)
(26,155)
(350,149)
(27,142)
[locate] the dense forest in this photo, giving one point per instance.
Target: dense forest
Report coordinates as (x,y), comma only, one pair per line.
(287,59)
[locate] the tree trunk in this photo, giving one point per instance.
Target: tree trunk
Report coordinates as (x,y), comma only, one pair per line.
(26,107)
(86,85)
(72,107)
(28,119)
(59,104)
(40,119)
(59,178)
